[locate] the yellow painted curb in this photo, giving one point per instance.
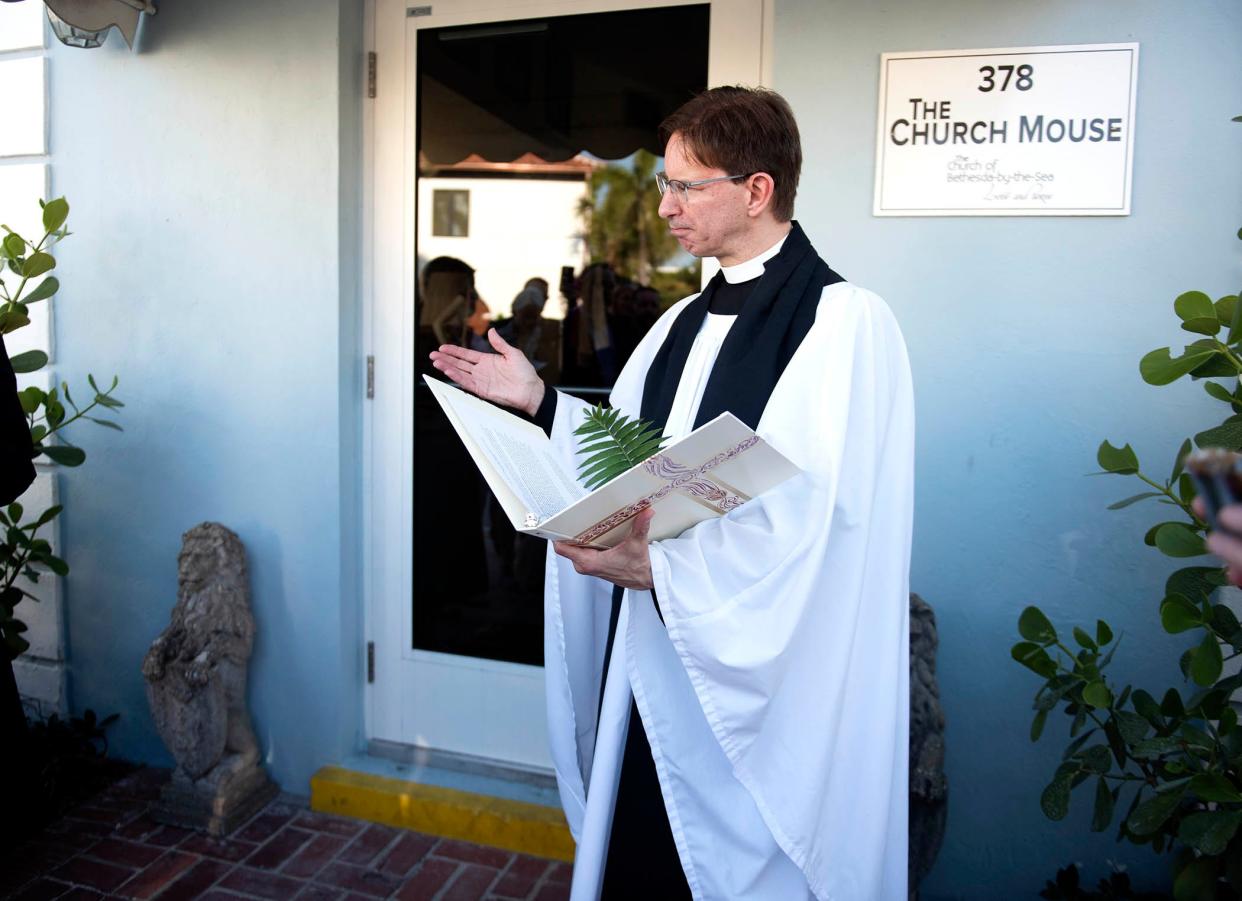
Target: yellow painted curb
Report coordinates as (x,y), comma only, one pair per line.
(481,819)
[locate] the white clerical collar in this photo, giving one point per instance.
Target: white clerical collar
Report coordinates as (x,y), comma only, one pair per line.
(752,268)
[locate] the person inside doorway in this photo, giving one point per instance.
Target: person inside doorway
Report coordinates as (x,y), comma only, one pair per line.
(538,338)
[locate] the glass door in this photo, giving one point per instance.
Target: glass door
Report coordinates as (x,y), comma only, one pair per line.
(529,146)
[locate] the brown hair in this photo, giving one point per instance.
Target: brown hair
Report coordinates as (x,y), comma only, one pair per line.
(742,131)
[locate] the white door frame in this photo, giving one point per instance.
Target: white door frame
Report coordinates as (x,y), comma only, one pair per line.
(463,705)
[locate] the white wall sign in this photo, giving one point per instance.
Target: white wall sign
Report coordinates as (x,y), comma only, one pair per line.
(1032,131)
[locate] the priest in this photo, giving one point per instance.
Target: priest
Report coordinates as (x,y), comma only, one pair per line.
(728,709)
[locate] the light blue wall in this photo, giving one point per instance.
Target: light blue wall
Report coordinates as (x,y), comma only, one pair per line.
(214,183)
(1025,336)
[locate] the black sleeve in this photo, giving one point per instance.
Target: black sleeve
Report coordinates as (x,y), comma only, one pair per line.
(546,414)
(16,468)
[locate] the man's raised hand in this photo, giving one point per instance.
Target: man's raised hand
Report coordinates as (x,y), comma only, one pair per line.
(505,377)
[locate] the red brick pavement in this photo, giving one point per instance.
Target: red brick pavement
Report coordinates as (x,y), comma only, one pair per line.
(111,847)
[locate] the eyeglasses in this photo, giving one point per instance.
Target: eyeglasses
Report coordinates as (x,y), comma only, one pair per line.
(681,189)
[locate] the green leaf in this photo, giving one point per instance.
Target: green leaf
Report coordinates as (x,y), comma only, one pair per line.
(1133,728)
(1155,748)
(1216,366)
(55,212)
(1145,705)
(37,264)
(65,455)
(1179,462)
(1208,325)
(13,246)
(1226,307)
(56,565)
(1077,743)
(55,410)
(1177,614)
(1055,798)
(15,512)
(1197,880)
(1134,499)
(15,644)
(1037,725)
(1186,489)
(1228,435)
(1097,759)
(604,458)
(1194,305)
(1115,744)
(1046,699)
(1225,622)
(1195,737)
(1080,720)
(1218,391)
(1152,813)
(1196,583)
(1122,461)
(1105,800)
(1228,721)
(1108,658)
(1097,694)
(1159,368)
(1034,626)
(1084,639)
(1171,704)
(1215,787)
(30,361)
(1206,661)
(615,443)
(43,290)
(588,449)
(13,319)
(105,422)
(1210,831)
(1103,634)
(1176,539)
(1235,326)
(1034,658)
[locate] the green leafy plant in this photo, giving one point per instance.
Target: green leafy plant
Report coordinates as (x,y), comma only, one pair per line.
(621,221)
(612,443)
(22,551)
(1173,764)
(1116,887)
(72,756)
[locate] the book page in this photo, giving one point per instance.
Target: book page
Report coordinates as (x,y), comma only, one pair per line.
(519,452)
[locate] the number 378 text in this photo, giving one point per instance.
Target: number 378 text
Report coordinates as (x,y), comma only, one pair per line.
(999,78)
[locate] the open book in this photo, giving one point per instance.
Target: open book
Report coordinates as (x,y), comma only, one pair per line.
(717,467)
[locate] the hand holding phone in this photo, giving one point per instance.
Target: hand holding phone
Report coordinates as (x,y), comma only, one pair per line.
(1217,474)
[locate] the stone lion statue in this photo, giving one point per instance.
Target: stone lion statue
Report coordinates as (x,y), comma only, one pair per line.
(196,670)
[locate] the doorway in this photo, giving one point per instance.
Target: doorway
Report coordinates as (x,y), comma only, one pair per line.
(514,140)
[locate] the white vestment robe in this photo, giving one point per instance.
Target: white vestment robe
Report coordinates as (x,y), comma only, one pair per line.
(775,693)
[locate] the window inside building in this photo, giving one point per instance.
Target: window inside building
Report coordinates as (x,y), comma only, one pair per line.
(450,216)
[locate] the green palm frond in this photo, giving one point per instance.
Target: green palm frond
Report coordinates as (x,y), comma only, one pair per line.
(613,443)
